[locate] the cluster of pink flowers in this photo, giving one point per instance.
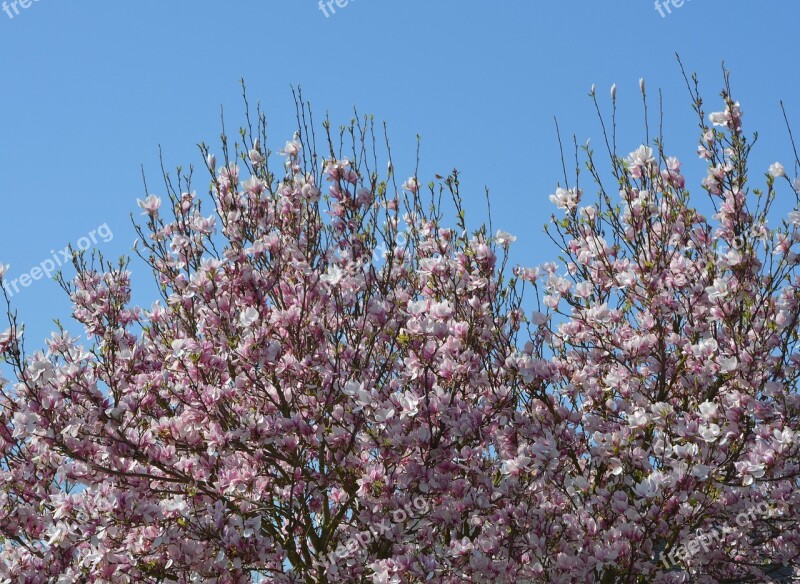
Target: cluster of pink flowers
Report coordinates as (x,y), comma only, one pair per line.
(284,395)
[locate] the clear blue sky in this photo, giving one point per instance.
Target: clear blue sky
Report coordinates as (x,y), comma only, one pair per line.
(91,88)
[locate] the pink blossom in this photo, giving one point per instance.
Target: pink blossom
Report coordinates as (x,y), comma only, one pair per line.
(504,238)
(150,204)
(411,185)
(776,170)
(292,148)
(566,199)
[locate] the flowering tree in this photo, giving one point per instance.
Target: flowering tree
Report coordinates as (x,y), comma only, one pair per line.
(677,364)
(346,387)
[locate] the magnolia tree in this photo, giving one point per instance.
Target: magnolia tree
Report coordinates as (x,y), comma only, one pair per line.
(338,384)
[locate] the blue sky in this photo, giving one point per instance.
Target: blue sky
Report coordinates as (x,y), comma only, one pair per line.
(92,88)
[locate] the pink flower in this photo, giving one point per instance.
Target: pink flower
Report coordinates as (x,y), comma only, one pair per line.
(776,170)
(248,317)
(256,158)
(731,117)
(648,488)
(710,432)
(566,199)
(291,148)
(150,205)
(411,185)
(641,161)
(504,238)
(333,275)
(749,471)
(515,466)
